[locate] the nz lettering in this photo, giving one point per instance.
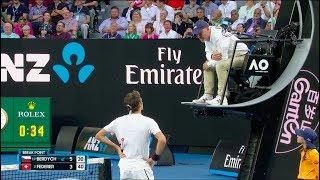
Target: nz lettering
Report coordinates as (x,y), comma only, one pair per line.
(16,68)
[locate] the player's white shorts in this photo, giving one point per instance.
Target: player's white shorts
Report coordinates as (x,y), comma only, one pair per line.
(137,174)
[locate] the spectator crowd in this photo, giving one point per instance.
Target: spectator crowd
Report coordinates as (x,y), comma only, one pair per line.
(141,19)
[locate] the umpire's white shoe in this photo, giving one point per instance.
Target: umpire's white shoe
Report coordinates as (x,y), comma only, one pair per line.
(217,101)
(203,99)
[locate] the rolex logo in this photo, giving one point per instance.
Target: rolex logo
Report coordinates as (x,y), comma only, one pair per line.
(31,105)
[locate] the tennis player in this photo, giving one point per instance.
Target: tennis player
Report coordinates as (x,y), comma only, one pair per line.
(133,131)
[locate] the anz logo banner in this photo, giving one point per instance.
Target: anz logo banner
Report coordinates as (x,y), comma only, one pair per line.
(14,67)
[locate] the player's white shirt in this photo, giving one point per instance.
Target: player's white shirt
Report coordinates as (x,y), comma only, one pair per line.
(133,132)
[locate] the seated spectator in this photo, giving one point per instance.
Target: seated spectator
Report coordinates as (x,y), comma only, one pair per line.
(179,26)
(81,14)
(91,5)
(7,31)
(3,19)
(46,27)
(56,10)
(188,34)
(235,19)
(161,5)
(43,33)
(269,25)
(127,12)
(168,32)
(200,16)
(240,29)
(46,3)
(256,20)
(189,10)
(216,19)
(112,33)
(246,11)
(139,23)
(5,4)
(226,7)
(114,17)
(60,32)
(15,11)
(149,11)
(26,32)
(257,31)
(176,4)
(36,15)
(267,7)
(158,25)
(70,24)
(149,32)
(17,27)
(277,5)
(132,32)
(208,7)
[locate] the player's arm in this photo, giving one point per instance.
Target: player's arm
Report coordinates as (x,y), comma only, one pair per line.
(101,136)
(161,144)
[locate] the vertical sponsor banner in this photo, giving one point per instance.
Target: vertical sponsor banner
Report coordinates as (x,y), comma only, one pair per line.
(301,110)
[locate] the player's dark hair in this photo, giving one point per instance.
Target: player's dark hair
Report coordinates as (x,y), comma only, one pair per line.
(132,101)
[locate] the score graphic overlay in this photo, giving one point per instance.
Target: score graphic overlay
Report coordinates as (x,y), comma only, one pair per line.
(53,162)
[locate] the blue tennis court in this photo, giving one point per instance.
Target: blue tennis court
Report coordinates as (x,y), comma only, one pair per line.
(187,166)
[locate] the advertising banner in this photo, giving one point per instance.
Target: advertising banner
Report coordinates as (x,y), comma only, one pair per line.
(227,158)
(88,80)
(87,142)
(25,122)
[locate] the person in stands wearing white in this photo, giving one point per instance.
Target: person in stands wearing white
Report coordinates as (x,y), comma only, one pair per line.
(246,12)
(218,47)
(226,7)
(168,32)
(161,5)
(267,7)
(133,132)
(158,25)
(149,11)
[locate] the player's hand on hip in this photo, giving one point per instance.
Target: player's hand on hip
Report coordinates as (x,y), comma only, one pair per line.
(205,65)
(151,162)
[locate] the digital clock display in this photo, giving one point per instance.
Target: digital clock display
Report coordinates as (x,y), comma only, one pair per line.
(27,125)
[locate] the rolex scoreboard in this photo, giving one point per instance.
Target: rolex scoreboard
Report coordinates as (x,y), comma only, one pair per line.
(25,123)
